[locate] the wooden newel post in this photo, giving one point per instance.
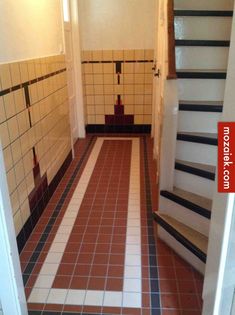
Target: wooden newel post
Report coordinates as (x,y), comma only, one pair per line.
(171,41)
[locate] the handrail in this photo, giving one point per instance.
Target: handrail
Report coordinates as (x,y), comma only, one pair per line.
(171,41)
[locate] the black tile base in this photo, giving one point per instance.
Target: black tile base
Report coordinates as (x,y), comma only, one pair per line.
(118,128)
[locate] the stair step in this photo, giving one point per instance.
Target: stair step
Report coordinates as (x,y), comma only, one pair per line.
(204,5)
(203,13)
(198,122)
(203,57)
(202,28)
(201,89)
(199,169)
(201,106)
(196,152)
(196,42)
(198,137)
(194,241)
(194,202)
(200,74)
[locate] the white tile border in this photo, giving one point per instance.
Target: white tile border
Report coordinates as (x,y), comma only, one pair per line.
(131,295)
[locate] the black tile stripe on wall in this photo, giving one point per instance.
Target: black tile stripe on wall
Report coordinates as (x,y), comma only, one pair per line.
(37,251)
(27,83)
(153,267)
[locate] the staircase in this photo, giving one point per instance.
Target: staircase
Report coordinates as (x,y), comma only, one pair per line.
(202,34)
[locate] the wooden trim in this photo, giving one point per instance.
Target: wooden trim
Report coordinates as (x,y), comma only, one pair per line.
(171,41)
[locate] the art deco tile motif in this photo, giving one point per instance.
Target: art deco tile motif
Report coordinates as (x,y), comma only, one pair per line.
(118,87)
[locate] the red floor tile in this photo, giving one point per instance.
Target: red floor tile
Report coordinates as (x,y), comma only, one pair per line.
(94,256)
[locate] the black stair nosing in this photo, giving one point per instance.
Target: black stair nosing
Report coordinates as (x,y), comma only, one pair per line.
(196,138)
(186,203)
(200,108)
(204,43)
(194,171)
(180,238)
(216,13)
(194,74)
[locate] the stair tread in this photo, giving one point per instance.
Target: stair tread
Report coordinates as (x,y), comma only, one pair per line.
(216,13)
(197,239)
(212,103)
(202,42)
(203,167)
(194,198)
(202,70)
(199,134)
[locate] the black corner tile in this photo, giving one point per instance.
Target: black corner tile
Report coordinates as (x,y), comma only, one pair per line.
(154,285)
(51,313)
(39,247)
(34,257)
(152,260)
(156,311)
(34,312)
(155,300)
(153,272)
(27,228)
(20,240)
(25,278)
(29,268)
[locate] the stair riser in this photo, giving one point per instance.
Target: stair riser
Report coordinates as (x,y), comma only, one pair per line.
(203,5)
(198,122)
(181,250)
(203,108)
(201,89)
(193,183)
(184,215)
(196,152)
(194,27)
(201,57)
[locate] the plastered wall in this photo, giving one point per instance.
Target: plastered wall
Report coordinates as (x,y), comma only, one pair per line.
(114,25)
(30,29)
(117,41)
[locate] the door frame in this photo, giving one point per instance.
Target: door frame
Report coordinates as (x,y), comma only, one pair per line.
(12,294)
(159,78)
(77,64)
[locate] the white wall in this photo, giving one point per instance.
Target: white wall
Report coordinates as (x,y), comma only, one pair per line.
(29,29)
(117,24)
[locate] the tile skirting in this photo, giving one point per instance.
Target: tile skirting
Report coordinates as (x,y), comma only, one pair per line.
(145,129)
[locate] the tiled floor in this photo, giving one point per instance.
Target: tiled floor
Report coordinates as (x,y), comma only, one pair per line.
(93,250)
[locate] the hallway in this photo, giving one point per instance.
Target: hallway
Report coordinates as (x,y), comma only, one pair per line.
(94,251)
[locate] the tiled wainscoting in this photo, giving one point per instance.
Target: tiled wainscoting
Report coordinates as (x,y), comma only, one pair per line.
(118,89)
(35,135)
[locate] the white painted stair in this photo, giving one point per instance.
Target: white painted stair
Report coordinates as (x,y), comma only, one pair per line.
(202,32)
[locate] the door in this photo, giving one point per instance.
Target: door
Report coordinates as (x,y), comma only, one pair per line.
(159,77)
(68,39)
